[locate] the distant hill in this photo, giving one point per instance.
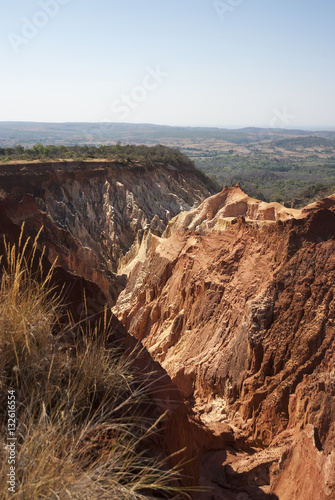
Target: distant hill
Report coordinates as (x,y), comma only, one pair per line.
(305,142)
(30,133)
(294,167)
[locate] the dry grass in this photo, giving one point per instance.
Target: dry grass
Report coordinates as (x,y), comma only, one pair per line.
(81,429)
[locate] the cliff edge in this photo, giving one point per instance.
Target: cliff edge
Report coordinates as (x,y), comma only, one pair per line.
(237,304)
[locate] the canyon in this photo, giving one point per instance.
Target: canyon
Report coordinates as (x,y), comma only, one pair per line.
(236,302)
(94,212)
(231,297)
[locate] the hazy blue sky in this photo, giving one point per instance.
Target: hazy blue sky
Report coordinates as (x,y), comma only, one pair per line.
(222,63)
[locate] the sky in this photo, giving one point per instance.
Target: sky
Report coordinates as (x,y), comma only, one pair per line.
(220,63)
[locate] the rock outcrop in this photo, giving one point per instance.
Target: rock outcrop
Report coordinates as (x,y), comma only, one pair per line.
(241,315)
(107,207)
(218,211)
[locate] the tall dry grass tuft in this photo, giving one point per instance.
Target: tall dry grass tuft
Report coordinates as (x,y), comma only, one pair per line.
(81,428)
(28,312)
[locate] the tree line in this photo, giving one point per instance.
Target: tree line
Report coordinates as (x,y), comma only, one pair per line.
(128,152)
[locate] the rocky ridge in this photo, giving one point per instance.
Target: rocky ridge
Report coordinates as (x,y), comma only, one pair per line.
(237,304)
(218,211)
(100,209)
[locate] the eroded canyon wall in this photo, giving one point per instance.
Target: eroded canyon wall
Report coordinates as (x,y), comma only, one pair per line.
(233,297)
(106,207)
(237,304)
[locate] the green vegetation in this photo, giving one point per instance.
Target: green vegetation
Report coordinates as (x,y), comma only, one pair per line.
(293,181)
(129,152)
(293,167)
(81,413)
(141,154)
(305,142)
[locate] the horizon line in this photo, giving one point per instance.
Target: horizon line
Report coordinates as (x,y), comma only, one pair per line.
(323,128)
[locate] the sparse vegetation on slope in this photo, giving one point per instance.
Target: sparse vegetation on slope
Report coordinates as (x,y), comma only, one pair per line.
(129,152)
(305,142)
(82,424)
(293,180)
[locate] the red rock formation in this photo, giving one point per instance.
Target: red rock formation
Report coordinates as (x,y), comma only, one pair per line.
(218,211)
(104,204)
(243,322)
(101,210)
(236,303)
(305,472)
(59,243)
